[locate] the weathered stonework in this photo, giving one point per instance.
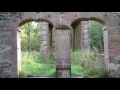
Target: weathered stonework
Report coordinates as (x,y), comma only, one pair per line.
(63,64)
(3,65)
(81,36)
(85,36)
(44,40)
(9,21)
(77,37)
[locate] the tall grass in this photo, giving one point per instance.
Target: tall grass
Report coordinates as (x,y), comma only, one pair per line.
(33,65)
(84,64)
(88,65)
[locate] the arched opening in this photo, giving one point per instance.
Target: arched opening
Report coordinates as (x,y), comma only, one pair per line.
(35,49)
(89,48)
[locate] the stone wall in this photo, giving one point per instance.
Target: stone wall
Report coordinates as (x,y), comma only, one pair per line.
(113,20)
(8,45)
(9,21)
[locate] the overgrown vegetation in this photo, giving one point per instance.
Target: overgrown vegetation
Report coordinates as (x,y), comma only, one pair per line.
(30,36)
(96,36)
(84,64)
(88,65)
(34,66)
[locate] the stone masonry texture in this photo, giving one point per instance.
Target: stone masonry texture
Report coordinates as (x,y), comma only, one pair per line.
(9,22)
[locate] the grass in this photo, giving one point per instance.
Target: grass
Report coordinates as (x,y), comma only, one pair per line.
(87,65)
(82,64)
(34,65)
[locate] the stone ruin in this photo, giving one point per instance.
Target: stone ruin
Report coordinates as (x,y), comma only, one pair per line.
(62,23)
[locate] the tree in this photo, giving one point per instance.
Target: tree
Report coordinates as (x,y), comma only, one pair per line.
(96,36)
(30,36)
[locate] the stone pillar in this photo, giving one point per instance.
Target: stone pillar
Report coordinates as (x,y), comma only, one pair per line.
(113,40)
(106,56)
(19,50)
(44,40)
(77,36)
(114,51)
(85,35)
(62,46)
(51,38)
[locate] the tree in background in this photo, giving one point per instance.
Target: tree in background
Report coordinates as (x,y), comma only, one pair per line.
(30,36)
(96,36)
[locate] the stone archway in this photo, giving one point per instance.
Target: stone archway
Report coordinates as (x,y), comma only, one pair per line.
(9,27)
(9,21)
(45,48)
(45,39)
(105,34)
(62,69)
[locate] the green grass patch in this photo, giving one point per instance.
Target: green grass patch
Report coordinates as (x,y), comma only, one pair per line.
(87,65)
(83,64)
(34,66)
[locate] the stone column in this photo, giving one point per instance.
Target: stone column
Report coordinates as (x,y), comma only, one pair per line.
(77,36)
(106,56)
(62,46)
(19,50)
(51,38)
(44,40)
(85,35)
(114,51)
(112,43)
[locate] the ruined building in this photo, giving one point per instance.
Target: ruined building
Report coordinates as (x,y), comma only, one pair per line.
(62,23)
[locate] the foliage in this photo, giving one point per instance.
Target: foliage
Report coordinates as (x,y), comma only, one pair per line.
(88,65)
(82,64)
(30,37)
(34,66)
(96,36)
(22,74)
